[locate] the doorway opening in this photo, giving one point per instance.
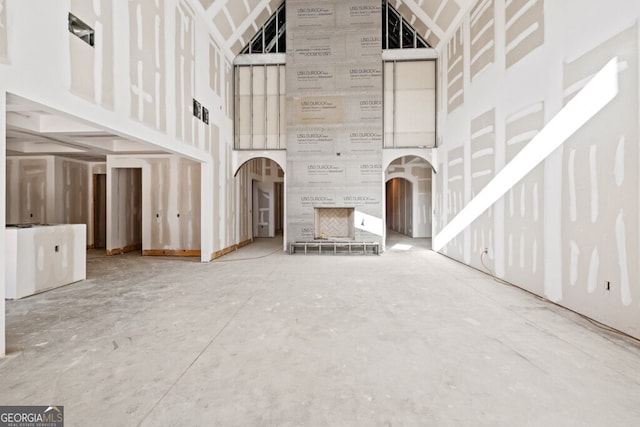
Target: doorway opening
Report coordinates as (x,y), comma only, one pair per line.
(100,211)
(125,231)
(399,206)
(262,206)
(408,203)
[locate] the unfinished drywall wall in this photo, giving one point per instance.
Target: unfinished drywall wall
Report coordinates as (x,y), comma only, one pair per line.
(162,217)
(147,70)
(189,204)
(170,202)
(260,107)
(48,189)
(72,191)
(409,104)
(91,67)
(27,190)
(569,230)
(184,81)
(44,257)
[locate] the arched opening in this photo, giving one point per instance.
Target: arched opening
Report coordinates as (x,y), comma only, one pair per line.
(262,201)
(408,197)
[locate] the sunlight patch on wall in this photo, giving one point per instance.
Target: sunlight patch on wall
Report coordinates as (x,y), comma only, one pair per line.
(595,95)
(368,223)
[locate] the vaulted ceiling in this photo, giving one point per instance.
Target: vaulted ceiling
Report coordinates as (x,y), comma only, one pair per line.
(236,21)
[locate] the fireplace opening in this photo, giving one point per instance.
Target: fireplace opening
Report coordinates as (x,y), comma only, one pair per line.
(334,223)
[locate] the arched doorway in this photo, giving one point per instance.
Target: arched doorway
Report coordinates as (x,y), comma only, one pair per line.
(408,204)
(262,198)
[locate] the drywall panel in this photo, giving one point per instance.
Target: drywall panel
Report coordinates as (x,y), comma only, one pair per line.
(147,66)
(482,26)
(160,208)
(27,190)
(412,104)
(454,197)
(524,203)
(189,204)
(244,115)
(455,69)
(214,67)
(91,67)
(184,73)
(524,29)
(260,107)
(72,192)
(600,192)
(44,257)
(48,190)
(482,169)
(334,113)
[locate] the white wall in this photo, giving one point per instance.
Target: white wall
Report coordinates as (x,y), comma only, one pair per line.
(572,223)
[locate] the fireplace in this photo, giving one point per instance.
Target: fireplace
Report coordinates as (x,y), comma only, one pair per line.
(334,223)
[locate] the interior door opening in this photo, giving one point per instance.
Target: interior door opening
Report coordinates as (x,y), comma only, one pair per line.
(100,211)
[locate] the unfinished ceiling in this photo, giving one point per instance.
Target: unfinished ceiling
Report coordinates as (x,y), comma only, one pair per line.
(33,131)
(236,21)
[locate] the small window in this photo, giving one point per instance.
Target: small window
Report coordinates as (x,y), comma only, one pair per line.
(81,30)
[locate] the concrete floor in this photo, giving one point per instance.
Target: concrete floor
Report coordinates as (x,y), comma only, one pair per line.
(406,338)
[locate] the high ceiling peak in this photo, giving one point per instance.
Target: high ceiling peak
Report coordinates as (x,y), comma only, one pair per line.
(235,22)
